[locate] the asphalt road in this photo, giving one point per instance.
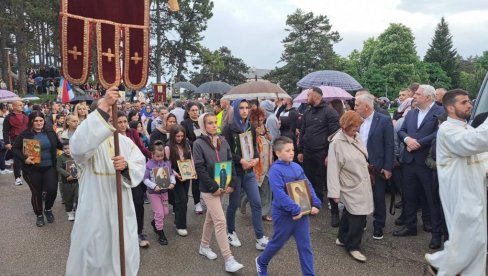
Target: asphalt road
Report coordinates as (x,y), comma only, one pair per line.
(30,250)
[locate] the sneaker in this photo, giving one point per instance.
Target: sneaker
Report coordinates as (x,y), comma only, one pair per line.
(143,242)
(358,256)
(18,181)
(261,270)
(231,265)
(71,216)
(40,221)
(378,234)
(6,171)
(261,243)
(339,243)
(182,232)
(207,252)
(198,208)
(233,239)
(49,216)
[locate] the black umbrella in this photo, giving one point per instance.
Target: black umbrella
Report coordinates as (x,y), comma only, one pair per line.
(330,78)
(185,85)
(83,98)
(214,87)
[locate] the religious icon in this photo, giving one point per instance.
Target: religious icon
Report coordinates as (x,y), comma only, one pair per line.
(300,193)
(247,149)
(32,148)
(72,169)
(160,176)
(223,174)
(187,169)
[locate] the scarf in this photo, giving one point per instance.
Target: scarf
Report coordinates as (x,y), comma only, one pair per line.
(214,139)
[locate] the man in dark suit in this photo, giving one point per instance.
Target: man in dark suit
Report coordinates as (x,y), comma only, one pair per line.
(417,132)
(377,134)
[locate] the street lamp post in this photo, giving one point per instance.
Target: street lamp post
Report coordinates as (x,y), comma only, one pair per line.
(9,70)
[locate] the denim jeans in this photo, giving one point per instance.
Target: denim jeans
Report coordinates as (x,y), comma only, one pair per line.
(246,181)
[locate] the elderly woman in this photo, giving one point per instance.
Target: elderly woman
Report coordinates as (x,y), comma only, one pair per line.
(348,181)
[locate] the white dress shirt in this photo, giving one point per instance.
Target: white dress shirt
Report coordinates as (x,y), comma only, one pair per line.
(422,114)
(364,129)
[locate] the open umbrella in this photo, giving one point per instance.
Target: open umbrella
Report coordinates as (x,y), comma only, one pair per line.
(83,98)
(31,98)
(328,93)
(330,78)
(185,85)
(256,89)
(8,96)
(213,87)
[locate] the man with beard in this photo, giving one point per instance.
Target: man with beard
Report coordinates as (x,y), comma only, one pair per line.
(461,156)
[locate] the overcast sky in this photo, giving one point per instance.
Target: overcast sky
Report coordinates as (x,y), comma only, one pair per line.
(253,29)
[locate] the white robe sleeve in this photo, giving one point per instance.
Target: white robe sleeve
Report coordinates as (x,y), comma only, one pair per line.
(88,136)
(465,143)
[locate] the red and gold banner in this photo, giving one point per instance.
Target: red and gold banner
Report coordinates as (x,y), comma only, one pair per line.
(121,29)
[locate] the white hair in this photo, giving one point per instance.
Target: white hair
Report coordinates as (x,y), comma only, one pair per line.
(440,90)
(428,90)
(367,99)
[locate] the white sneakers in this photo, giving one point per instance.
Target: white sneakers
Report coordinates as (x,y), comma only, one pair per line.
(18,181)
(234,240)
(182,232)
(6,171)
(231,265)
(71,215)
(198,208)
(262,243)
(207,252)
(358,256)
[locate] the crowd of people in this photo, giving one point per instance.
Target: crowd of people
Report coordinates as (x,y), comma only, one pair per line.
(349,153)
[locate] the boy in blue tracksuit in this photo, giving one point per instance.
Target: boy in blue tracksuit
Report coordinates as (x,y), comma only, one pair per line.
(287,218)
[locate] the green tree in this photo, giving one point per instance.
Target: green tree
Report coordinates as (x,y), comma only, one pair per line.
(441,51)
(308,48)
(219,65)
(178,35)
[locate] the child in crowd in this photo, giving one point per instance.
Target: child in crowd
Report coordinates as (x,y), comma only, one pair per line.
(69,173)
(287,217)
(209,149)
(178,148)
(158,196)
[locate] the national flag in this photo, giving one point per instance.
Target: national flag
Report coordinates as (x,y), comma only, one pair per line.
(67,93)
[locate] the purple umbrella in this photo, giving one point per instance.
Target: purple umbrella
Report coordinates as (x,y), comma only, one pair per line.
(330,78)
(8,96)
(328,93)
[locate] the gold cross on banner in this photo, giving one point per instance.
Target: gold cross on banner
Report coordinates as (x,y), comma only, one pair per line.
(74,52)
(108,54)
(136,58)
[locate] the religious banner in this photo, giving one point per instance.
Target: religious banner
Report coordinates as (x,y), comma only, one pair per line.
(120,29)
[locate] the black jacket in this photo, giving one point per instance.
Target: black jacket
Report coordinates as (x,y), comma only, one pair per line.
(231,133)
(155,136)
(189,126)
(17,148)
(318,123)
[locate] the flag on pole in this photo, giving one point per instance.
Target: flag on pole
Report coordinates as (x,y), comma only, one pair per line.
(67,93)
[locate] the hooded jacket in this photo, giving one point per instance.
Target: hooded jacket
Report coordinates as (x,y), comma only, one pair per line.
(318,123)
(231,133)
(272,123)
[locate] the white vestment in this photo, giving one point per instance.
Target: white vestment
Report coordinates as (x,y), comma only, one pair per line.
(462,164)
(94,239)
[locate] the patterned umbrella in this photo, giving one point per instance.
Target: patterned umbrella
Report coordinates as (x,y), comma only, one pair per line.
(185,85)
(213,87)
(256,89)
(328,93)
(330,78)
(8,96)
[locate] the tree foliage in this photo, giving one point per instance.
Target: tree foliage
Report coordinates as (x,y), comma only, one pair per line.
(442,52)
(308,48)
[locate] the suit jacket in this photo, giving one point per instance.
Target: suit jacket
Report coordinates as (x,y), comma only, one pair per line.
(381,142)
(424,134)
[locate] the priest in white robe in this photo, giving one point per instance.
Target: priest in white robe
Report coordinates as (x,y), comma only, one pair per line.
(462,163)
(94,239)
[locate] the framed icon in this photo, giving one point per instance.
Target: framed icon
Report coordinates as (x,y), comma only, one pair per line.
(223,173)
(300,193)
(247,149)
(187,169)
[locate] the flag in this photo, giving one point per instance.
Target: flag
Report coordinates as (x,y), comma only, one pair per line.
(67,93)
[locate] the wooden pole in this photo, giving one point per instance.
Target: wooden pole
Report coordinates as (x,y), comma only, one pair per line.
(118,180)
(9,71)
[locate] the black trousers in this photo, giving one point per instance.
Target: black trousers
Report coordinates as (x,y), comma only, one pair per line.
(17,166)
(70,195)
(138,199)
(195,191)
(417,179)
(181,203)
(42,179)
(316,172)
(351,229)
(437,202)
(379,213)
